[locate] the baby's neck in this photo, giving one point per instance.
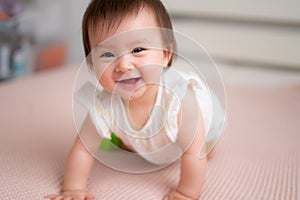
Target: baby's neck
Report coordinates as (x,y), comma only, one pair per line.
(140,109)
(147,99)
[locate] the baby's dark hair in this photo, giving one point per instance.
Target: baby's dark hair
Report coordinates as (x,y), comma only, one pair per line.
(108,14)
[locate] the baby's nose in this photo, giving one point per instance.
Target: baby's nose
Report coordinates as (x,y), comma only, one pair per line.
(124,64)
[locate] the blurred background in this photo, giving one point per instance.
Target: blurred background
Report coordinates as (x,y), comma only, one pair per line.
(37,34)
(253,42)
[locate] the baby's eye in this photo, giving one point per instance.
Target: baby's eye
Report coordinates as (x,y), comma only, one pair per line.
(138,50)
(107,55)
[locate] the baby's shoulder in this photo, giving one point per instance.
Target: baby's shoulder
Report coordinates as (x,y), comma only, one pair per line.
(89,95)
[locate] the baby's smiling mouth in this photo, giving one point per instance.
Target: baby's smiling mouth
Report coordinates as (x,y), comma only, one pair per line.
(130,82)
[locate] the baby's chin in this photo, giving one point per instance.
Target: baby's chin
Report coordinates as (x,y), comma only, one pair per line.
(132,95)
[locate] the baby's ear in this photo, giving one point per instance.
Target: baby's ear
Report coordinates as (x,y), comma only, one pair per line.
(168,54)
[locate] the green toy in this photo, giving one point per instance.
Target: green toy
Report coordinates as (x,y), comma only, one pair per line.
(111,144)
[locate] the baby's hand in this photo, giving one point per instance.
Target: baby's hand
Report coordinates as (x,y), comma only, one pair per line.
(176,196)
(70,195)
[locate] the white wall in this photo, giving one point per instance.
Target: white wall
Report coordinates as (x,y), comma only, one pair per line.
(256,32)
(58,21)
(74,14)
(263,10)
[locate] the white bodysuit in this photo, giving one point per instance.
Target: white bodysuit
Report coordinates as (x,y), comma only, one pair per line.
(156,141)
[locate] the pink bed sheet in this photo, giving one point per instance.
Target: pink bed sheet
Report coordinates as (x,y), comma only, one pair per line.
(257,157)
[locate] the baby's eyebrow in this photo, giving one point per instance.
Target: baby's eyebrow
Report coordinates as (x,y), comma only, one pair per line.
(143,41)
(102,46)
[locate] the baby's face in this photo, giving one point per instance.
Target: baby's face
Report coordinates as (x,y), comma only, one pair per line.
(130,60)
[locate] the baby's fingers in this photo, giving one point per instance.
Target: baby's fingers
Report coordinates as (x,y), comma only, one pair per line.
(54,197)
(169,196)
(89,197)
(51,196)
(60,197)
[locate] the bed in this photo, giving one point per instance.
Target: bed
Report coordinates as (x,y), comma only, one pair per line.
(257,156)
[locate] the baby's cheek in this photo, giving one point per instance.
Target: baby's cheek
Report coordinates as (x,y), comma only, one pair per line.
(100,72)
(151,73)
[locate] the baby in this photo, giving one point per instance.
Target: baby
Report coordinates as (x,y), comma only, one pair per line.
(130,47)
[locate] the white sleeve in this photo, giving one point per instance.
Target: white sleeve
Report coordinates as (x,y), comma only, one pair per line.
(204,100)
(88,96)
(213,113)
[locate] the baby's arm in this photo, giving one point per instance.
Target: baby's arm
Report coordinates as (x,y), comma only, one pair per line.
(193,167)
(78,167)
